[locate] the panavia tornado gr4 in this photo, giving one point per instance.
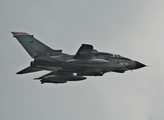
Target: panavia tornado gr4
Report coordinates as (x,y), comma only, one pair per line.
(64,67)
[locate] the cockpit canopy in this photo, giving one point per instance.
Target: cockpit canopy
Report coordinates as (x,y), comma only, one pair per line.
(118,56)
(114,55)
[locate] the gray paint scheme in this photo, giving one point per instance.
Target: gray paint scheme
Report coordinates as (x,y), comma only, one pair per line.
(86,62)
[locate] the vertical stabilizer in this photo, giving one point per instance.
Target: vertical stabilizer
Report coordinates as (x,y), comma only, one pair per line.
(33,46)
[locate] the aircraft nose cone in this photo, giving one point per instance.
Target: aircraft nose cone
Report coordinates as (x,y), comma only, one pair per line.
(139,65)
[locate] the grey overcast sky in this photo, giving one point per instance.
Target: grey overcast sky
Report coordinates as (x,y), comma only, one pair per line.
(131,28)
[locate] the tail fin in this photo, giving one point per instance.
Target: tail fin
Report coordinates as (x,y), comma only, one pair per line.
(33,46)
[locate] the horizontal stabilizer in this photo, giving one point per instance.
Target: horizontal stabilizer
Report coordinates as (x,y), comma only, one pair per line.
(28,70)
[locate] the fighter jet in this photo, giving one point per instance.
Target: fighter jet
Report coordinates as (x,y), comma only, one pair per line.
(64,67)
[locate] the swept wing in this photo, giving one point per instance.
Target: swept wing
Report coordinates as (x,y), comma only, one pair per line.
(84,52)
